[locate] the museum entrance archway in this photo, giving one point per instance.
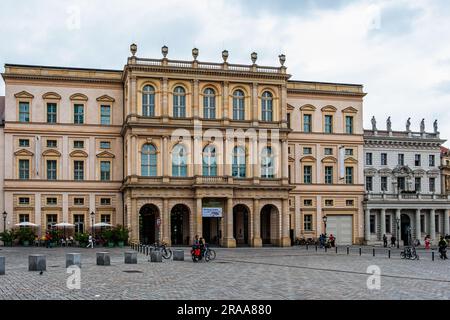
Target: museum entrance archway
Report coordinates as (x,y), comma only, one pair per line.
(405,222)
(269,224)
(241,224)
(148,227)
(179,225)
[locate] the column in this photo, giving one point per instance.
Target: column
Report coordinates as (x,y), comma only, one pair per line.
(227,156)
(195,101)
(225,103)
(133,149)
(134,221)
(197,156)
(383,222)
(133,95)
(165,222)
(285,161)
(198,218)
(256,241)
(65,207)
(418,231)
(165,158)
(432,225)
(165,100)
(229,242)
(446,222)
(254,113)
(398,231)
(283,105)
(255,159)
(285,239)
(367,225)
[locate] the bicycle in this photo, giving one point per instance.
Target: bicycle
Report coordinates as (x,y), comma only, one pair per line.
(409,253)
(209,254)
(165,251)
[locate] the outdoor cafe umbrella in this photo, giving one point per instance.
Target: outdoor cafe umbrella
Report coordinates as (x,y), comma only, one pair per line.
(26,224)
(64,225)
(102,224)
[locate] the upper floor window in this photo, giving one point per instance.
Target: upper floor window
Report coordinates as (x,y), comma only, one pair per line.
(179,102)
(179,161)
(209,104)
(238,168)
(24,169)
(307,150)
(78,144)
(148,160)
(209,161)
(307,202)
(24,200)
(267,106)
(349,124)
(148,101)
(401,159)
(401,183)
(78,170)
(369,183)
(349,175)
(328,175)
(105,114)
(78,201)
(51,170)
(267,163)
(348,152)
(105,145)
(329,202)
(105,201)
(417,160)
(307,122)
(432,183)
(368,158)
(51,113)
(384,183)
(431,161)
(78,114)
(384,159)
(307,174)
(349,203)
(52,143)
(328,151)
(24,111)
(238,105)
(418,184)
(24,143)
(52,201)
(328,124)
(288,120)
(105,170)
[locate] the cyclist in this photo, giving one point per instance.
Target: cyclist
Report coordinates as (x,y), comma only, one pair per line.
(202,245)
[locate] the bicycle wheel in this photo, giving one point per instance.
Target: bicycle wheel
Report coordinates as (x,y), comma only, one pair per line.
(167,253)
(402,255)
(212,254)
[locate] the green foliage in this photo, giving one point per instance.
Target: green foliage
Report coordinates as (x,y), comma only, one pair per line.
(121,233)
(108,235)
(25,234)
(82,238)
(8,236)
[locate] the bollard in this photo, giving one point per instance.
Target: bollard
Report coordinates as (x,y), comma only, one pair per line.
(336,250)
(2,266)
(389,253)
(155,256)
(130,257)
(178,255)
(316,247)
(348,250)
(325,248)
(103,259)
(432,255)
(73,259)
(373,252)
(37,262)
(306,247)
(359,251)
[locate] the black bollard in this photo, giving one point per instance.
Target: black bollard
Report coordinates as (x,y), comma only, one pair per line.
(389,253)
(348,250)
(432,255)
(316,247)
(374,252)
(306,247)
(325,248)
(359,251)
(336,249)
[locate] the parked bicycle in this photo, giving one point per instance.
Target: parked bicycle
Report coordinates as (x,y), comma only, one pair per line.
(409,253)
(166,252)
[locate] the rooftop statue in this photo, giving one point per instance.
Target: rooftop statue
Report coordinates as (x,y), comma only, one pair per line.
(374,124)
(408,124)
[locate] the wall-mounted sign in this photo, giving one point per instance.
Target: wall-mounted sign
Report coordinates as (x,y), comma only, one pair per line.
(212,212)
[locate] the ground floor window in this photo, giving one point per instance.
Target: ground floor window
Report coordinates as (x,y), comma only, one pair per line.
(78,220)
(51,220)
(307,222)
(388,224)
(436,223)
(372,223)
(422,222)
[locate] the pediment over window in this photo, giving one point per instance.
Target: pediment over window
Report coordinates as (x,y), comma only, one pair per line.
(105,154)
(402,171)
(308,107)
(350,110)
(24,95)
(23,152)
(329,159)
(419,173)
(350,160)
(328,109)
(51,152)
(308,159)
(433,173)
(51,95)
(106,98)
(290,107)
(79,97)
(290,159)
(385,172)
(370,172)
(78,153)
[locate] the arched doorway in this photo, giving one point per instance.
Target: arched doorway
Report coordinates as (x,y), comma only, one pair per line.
(148,228)
(405,225)
(179,225)
(240,224)
(269,225)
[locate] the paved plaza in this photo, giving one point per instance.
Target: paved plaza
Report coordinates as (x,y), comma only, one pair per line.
(242,273)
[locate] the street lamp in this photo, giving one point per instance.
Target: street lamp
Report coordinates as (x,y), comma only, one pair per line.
(324,219)
(5,214)
(92,224)
(398,232)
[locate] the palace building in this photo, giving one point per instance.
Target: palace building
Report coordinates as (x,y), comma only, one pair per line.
(238,154)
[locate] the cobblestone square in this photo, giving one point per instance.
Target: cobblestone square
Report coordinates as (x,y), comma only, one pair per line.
(242,273)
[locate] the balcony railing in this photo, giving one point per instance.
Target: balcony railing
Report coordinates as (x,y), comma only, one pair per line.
(406,196)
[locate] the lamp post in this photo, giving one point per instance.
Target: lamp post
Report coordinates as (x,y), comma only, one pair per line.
(92,224)
(324,219)
(5,214)
(398,232)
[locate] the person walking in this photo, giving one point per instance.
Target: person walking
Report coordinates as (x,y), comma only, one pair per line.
(427,242)
(443,248)
(332,240)
(393,239)
(90,242)
(385,241)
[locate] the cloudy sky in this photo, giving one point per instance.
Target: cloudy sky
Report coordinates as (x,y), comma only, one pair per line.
(398,49)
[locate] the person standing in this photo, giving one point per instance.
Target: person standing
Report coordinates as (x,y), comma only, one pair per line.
(385,241)
(427,242)
(332,240)
(90,242)
(393,239)
(443,248)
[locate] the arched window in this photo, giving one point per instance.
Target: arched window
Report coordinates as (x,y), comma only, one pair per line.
(179,161)
(148,160)
(267,106)
(238,105)
(238,168)
(179,102)
(209,161)
(267,163)
(209,104)
(148,101)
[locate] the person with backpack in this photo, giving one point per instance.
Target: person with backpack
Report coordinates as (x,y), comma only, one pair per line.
(443,248)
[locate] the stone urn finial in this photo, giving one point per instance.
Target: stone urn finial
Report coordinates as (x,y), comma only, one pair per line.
(225,55)
(195,53)
(282,58)
(164,51)
(254,57)
(133,49)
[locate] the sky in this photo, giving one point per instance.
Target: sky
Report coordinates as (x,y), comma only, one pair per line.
(398,49)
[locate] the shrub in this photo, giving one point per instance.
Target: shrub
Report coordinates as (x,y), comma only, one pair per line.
(121,233)
(25,234)
(82,238)
(8,236)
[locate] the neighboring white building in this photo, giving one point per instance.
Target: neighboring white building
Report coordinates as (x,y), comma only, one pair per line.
(403,184)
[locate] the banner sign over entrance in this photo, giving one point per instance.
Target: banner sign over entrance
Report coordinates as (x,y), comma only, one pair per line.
(212,212)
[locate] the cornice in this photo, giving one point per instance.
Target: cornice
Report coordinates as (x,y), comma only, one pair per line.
(7,76)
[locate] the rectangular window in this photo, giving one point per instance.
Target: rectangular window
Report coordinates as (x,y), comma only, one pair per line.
(105,218)
(105,170)
(24,200)
(349,124)
(349,175)
(51,170)
(328,124)
(78,220)
(289,120)
(436,223)
(349,203)
(24,112)
(432,184)
(307,202)
(348,152)
(307,222)
(24,218)
(307,123)
(384,159)
(372,223)
(368,158)
(78,114)
(307,174)
(431,160)
(388,223)
(52,201)
(401,183)
(418,184)
(417,160)
(52,143)
(105,201)
(24,169)
(307,150)
(51,113)
(329,202)
(369,183)
(24,143)
(78,170)
(105,145)
(78,201)
(422,222)
(328,175)
(52,219)
(384,184)
(78,144)
(328,151)
(105,114)
(401,159)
